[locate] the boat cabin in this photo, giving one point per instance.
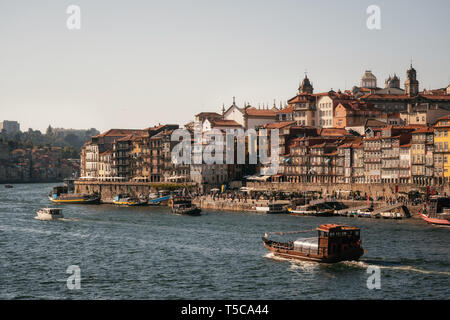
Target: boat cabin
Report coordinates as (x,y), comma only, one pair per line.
(334,238)
(59,190)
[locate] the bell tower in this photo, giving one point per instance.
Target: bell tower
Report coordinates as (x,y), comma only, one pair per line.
(411,83)
(306,86)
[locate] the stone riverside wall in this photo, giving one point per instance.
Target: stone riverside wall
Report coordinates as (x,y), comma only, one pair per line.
(108,190)
(228,205)
(372,189)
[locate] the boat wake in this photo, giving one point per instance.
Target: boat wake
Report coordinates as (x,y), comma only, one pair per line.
(309,265)
(69,219)
(366,264)
(295,264)
(57,219)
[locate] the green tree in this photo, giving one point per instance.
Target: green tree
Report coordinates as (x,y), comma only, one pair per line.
(49,131)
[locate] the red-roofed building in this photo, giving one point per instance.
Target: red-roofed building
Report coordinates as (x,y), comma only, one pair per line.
(353,113)
(250,117)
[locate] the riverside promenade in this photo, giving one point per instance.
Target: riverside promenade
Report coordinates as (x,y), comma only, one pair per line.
(372,189)
(228,201)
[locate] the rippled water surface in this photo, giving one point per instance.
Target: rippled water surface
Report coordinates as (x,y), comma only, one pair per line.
(148,253)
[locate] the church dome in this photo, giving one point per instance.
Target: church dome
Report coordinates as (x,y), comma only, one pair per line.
(368,80)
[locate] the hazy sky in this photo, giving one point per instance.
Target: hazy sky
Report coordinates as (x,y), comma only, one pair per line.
(134,64)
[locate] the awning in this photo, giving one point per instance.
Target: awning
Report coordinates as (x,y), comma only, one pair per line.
(259,178)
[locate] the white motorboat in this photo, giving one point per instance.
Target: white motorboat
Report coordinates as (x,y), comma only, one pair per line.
(272,208)
(49,214)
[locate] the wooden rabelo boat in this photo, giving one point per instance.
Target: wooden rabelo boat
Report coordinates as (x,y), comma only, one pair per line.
(60,195)
(183,205)
(129,201)
(333,243)
(437,211)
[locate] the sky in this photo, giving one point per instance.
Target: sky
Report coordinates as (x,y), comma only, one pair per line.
(135,64)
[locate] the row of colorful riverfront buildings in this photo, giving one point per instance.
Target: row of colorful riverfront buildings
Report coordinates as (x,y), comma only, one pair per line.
(367,134)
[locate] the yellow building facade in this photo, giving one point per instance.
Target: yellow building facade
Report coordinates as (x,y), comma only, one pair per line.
(441,149)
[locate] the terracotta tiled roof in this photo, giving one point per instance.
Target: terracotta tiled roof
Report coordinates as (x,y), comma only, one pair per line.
(126,138)
(374,123)
(386,97)
(423,130)
(361,106)
(320,145)
(346,145)
(119,132)
(447,117)
(225,123)
(253,112)
(304,97)
(289,109)
(445,97)
(279,125)
(339,132)
(208,114)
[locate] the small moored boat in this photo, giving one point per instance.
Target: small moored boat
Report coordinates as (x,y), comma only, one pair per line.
(273,208)
(437,211)
(159,200)
(309,211)
(183,205)
(391,215)
(49,214)
(60,195)
(333,243)
(364,213)
(9,186)
(126,200)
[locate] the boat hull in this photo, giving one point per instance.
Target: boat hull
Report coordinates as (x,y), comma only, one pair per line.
(129,203)
(75,200)
(190,211)
(435,221)
(352,254)
(311,213)
(270,211)
(48,217)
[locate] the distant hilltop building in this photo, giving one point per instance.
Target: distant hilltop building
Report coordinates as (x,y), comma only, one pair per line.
(393,99)
(10,127)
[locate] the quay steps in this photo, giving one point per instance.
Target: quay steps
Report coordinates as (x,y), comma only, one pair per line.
(388,208)
(353,209)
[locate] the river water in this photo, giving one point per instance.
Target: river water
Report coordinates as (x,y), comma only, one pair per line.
(149,253)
